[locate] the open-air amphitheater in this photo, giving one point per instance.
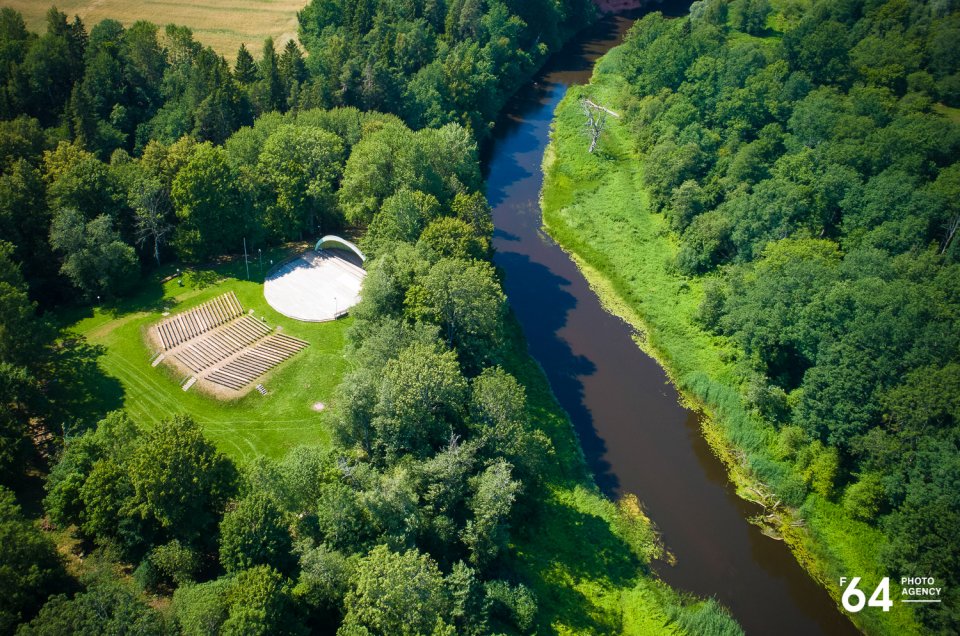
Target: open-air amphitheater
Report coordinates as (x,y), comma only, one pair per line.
(222,345)
(217,344)
(319,285)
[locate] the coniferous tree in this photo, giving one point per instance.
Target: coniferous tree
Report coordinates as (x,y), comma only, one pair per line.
(245,69)
(268,93)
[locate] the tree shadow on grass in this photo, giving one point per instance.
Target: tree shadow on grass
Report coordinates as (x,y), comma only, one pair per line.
(79,393)
(563,547)
(150,297)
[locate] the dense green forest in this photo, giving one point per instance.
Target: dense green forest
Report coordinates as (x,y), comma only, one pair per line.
(126,148)
(799,273)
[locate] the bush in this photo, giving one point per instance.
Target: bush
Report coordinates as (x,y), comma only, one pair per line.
(864,498)
(175,562)
(517,604)
(146,576)
(708,617)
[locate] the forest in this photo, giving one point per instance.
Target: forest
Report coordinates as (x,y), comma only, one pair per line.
(126,149)
(801,163)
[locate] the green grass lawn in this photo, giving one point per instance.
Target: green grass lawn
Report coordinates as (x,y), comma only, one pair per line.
(245,427)
(596,207)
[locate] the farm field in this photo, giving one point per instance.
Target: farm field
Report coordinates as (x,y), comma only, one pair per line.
(222,24)
(245,427)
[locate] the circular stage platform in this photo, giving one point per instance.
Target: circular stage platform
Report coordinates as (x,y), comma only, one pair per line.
(318,286)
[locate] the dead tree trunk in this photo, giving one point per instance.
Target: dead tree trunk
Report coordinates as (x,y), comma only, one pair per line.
(596,120)
(952,228)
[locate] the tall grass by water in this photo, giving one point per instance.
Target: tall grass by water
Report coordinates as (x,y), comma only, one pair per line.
(596,208)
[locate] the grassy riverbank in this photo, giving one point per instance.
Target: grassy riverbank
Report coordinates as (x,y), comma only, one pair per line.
(587,557)
(596,207)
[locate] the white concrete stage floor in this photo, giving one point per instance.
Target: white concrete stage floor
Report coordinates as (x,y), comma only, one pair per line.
(315,287)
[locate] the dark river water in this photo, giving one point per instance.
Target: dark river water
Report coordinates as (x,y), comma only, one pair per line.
(635,435)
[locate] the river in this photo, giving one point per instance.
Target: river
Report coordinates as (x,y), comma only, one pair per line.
(634,433)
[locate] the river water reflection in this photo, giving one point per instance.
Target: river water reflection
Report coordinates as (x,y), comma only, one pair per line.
(635,435)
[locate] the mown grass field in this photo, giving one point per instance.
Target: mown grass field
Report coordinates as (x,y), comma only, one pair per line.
(245,427)
(222,24)
(596,207)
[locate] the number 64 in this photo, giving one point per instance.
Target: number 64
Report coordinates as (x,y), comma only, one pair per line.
(854,599)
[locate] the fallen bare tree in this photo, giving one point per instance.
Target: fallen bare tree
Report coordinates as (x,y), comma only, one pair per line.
(596,120)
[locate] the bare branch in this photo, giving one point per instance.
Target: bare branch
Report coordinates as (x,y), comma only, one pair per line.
(596,120)
(153,211)
(952,228)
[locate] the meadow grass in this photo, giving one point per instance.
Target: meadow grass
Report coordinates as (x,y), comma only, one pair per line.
(596,208)
(245,427)
(221,24)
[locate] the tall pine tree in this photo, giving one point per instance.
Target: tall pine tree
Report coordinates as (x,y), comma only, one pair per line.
(245,70)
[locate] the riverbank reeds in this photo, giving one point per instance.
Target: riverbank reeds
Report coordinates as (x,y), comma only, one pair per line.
(596,207)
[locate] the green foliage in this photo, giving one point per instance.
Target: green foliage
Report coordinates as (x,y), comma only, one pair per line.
(299,167)
(91,487)
(750,16)
(517,604)
(390,158)
(105,496)
(201,609)
(863,498)
(402,218)
(209,204)
(418,399)
(494,493)
(255,533)
(22,352)
(923,528)
(180,480)
(324,581)
(96,260)
(397,593)
(708,617)
(244,69)
(453,238)
(341,516)
(465,300)
(260,601)
(105,608)
(819,466)
(498,409)
(31,569)
(77,180)
(254,601)
(303,472)
(175,563)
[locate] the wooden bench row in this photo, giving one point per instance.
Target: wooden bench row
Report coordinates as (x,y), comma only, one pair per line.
(260,358)
(178,329)
(209,349)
